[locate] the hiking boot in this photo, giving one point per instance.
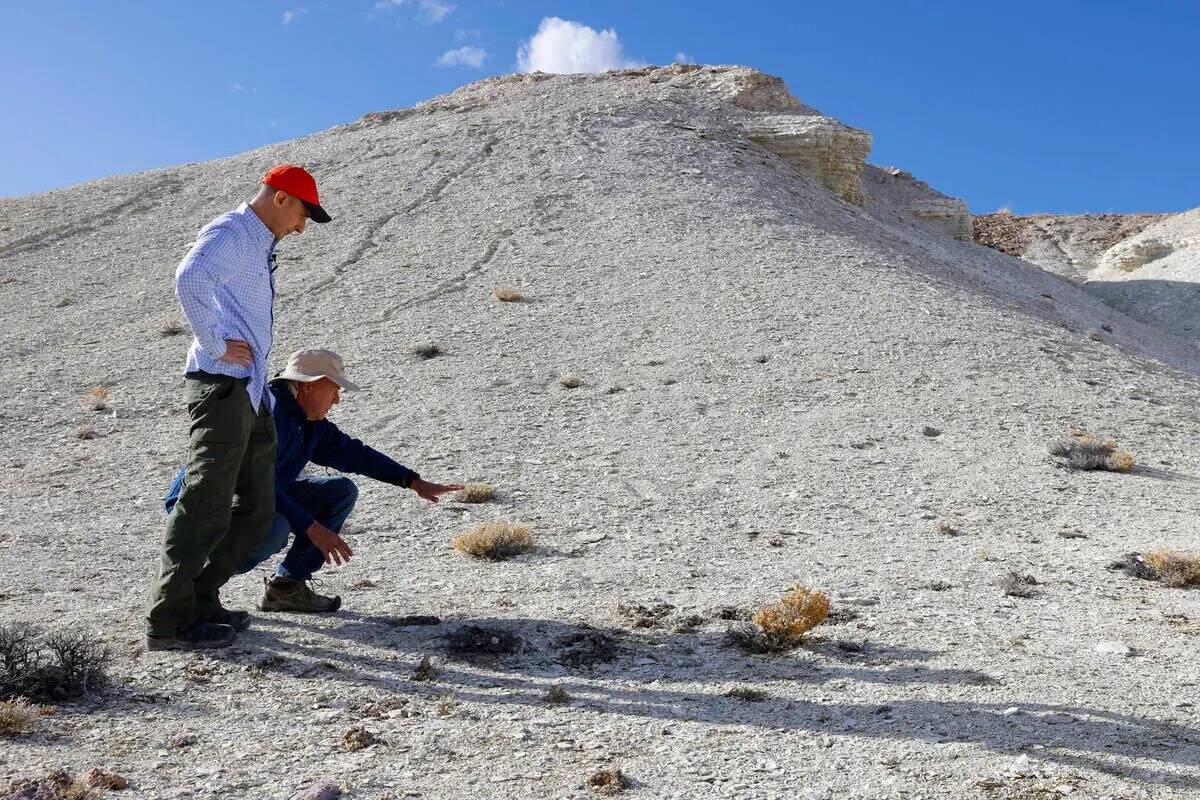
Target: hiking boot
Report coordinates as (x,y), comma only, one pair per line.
(285,594)
(200,636)
(238,620)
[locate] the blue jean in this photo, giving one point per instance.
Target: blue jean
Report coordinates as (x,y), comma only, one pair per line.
(330,500)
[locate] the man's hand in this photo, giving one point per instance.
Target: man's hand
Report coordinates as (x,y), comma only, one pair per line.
(332,546)
(432,491)
(238,352)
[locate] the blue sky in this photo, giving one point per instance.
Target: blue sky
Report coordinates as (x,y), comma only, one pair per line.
(1039,106)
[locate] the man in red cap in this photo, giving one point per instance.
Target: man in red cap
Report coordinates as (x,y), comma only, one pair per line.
(226,504)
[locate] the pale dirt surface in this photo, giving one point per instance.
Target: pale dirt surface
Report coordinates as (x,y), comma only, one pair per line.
(757,359)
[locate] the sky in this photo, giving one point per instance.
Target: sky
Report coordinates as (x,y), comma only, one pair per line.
(1049,106)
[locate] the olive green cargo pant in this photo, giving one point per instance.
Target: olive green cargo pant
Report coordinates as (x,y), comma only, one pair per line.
(225,506)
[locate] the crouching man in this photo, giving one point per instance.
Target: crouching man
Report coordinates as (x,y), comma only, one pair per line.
(312,509)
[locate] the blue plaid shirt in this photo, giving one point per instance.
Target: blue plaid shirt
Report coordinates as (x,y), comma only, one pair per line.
(227,291)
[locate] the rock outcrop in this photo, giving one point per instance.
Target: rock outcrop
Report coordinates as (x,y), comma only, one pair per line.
(895,187)
(831,153)
(1174,243)
(1067,244)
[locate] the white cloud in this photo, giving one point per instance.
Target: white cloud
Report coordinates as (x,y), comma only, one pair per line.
(428,11)
(564,46)
(290,15)
(466,33)
(469,56)
(683,58)
(235,87)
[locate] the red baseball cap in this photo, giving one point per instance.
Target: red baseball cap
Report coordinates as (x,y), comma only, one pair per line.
(297,182)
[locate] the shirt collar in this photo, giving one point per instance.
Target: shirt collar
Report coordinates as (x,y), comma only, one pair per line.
(258,230)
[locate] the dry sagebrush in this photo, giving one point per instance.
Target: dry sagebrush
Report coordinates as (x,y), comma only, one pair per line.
(1175,568)
(1084,451)
(17,717)
(494,541)
(781,626)
(476,493)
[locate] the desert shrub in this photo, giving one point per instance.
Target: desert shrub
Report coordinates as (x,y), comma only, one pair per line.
(446,705)
(557,695)
(85,433)
(781,626)
(747,693)
(424,671)
(607,782)
(427,350)
(17,716)
(494,541)
(51,666)
(1016,585)
(358,738)
(477,493)
(570,381)
(506,294)
(96,399)
(55,786)
(1081,450)
(171,327)
(1175,568)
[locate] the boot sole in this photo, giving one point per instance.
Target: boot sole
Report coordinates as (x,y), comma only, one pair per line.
(155,644)
(272,606)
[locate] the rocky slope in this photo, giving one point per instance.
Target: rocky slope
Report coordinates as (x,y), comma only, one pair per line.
(1145,265)
(778,385)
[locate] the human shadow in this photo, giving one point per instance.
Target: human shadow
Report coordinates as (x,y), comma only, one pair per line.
(633,679)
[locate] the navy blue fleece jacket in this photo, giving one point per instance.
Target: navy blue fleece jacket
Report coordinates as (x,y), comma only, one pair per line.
(300,442)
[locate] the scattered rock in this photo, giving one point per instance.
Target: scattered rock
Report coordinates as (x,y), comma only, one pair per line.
(1114,649)
(570,381)
(326,790)
(588,647)
(478,640)
(637,615)
(97,778)
(1135,566)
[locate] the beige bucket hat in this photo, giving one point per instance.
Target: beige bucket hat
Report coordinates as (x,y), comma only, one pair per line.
(314,363)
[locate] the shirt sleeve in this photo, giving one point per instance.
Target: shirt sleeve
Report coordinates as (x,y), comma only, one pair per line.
(196,281)
(341,452)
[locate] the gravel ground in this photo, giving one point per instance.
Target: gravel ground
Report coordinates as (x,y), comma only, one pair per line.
(759,364)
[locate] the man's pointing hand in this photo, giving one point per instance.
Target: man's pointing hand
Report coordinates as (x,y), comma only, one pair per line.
(432,491)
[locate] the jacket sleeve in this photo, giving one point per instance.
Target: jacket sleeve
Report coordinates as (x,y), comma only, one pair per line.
(196,281)
(341,452)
